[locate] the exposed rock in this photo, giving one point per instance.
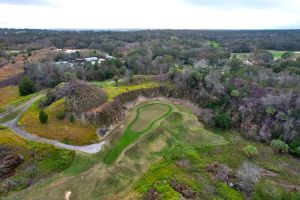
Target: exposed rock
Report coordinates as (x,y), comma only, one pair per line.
(183,189)
(151,194)
(8,164)
(220,172)
(102,131)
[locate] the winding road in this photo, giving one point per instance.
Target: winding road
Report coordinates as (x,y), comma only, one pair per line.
(12,125)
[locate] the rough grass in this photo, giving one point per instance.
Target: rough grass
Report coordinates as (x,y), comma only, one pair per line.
(39,159)
(146,116)
(89,178)
(154,160)
(10,97)
(112,90)
(76,133)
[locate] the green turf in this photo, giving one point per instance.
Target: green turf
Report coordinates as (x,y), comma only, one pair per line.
(146,115)
(129,136)
(214,44)
(277,54)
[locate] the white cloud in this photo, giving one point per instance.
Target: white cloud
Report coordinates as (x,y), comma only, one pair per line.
(97,14)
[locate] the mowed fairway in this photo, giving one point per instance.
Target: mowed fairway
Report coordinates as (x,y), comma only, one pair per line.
(146,116)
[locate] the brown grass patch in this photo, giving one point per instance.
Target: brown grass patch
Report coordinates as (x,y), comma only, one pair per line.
(76,133)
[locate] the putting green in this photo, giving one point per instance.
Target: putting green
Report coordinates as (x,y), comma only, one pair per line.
(147,115)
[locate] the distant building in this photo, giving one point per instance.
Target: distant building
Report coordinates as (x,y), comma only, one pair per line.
(91,59)
(101,60)
(65,63)
(109,57)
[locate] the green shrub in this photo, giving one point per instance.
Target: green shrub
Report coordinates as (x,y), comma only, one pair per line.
(295,147)
(222,120)
(270,110)
(71,117)
(116,79)
(268,190)
(61,114)
(235,63)
(235,93)
(194,78)
(250,151)
(279,146)
(26,86)
(43,116)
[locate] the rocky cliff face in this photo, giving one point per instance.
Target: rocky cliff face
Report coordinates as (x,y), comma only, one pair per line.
(8,163)
(109,113)
(263,114)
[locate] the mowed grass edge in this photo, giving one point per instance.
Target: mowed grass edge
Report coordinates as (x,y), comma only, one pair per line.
(129,136)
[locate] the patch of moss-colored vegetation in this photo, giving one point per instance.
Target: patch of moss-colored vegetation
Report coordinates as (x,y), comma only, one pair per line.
(227,192)
(10,97)
(112,90)
(214,44)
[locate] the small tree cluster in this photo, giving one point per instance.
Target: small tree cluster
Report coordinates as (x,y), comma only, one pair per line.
(26,86)
(72,118)
(222,120)
(43,116)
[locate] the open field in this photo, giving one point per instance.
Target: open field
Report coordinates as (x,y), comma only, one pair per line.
(37,56)
(76,133)
(214,44)
(242,56)
(277,54)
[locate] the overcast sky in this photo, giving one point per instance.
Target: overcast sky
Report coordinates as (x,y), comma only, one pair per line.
(153,14)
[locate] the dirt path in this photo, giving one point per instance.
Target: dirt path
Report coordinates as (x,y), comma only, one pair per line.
(12,125)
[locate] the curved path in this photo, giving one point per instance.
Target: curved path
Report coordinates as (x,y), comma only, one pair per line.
(12,125)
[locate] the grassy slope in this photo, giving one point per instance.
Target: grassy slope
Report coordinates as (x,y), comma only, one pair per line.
(180,137)
(10,97)
(195,175)
(73,133)
(89,178)
(39,159)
